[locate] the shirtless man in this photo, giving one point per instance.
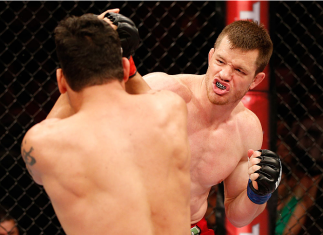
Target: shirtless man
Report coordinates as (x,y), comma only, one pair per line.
(222,132)
(117,163)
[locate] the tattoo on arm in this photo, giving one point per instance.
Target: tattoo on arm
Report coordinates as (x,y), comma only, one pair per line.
(28,158)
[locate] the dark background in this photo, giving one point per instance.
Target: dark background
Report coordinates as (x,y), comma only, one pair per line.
(176,38)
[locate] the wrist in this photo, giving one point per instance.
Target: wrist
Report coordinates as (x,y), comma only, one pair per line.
(133,68)
(254,197)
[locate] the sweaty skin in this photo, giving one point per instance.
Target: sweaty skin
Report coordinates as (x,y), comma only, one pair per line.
(119,165)
(222,132)
(219,148)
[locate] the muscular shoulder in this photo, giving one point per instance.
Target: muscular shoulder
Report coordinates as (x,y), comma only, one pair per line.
(170,120)
(36,142)
(167,102)
(39,132)
(250,127)
(167,112)
(174,83)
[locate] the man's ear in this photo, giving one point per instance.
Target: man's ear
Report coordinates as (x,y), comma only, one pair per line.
(257,80)
(61,81)
(211,52)
(126,69)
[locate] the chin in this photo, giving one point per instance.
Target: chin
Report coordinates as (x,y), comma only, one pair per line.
(217,100)
(220,102)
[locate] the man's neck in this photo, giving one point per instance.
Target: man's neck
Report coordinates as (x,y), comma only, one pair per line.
(96,95)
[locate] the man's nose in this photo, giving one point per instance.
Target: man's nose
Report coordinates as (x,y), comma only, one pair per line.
(226,73)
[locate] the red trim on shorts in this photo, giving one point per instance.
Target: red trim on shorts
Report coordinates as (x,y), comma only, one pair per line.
(202,224)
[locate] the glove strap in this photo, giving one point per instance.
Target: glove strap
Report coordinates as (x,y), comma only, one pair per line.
(133,69)
(255,198)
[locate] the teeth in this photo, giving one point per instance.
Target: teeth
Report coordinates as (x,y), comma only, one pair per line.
(219,85)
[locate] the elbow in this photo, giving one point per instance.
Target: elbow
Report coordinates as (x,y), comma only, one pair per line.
(239,218)
(237,222)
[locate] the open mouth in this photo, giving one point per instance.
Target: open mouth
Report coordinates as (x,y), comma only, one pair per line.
(220,86)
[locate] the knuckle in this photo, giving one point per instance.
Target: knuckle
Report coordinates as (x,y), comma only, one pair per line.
(255,168)
(254,176)
(255,161)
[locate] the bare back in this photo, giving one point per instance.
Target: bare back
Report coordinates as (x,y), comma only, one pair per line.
(218,145)
(118,168)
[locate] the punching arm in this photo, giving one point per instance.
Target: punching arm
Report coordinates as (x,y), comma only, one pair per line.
(130,39)
(61,109)
(137,85)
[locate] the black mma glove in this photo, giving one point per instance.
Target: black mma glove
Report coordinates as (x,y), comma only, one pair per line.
(129,37)
(269,177)
(128,33)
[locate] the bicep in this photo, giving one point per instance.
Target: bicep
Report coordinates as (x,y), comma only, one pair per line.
(163,81)
(160,81)
(237,181)
(142,85)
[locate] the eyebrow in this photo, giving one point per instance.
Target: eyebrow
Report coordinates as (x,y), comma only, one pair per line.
(243,69)
(237,67)
(220,56)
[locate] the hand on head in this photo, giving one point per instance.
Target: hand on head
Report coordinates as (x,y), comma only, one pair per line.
(102,17)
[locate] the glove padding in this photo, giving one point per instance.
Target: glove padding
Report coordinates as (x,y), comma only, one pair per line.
(269,173)
(128,33)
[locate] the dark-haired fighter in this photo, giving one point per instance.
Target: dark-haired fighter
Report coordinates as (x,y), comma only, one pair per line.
(115,163)
(223,133)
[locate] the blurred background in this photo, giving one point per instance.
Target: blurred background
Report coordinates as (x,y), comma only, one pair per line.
(175,38)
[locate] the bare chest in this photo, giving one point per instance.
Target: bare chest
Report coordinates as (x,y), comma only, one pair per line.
(215,152)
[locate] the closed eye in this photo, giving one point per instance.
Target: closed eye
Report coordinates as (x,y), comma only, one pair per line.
(240,71)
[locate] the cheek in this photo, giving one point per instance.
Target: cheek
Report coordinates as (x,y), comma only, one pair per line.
(245,82)
(213,69)
(241,84)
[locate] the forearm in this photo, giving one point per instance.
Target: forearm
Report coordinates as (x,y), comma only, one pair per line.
(137,85)
(242,203)
(61,109)
(129,38)
(240,211)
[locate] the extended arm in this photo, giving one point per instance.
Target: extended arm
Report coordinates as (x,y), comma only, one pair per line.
(61,109)
(129,38)
(137,85)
